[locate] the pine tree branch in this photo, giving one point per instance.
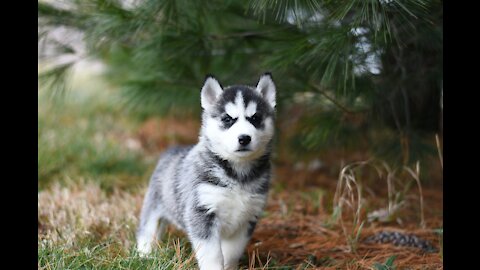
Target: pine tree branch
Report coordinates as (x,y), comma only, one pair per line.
(245,34)
(331,99)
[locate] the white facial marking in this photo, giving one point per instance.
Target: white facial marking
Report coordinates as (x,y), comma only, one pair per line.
(237,109)
(251,109)
(232,110)
(239,103)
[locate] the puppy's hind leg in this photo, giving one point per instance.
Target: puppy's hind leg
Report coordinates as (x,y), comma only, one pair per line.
(162,227)
(147,231)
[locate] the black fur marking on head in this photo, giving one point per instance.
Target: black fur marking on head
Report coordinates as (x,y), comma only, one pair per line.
(249,94)
(256,120)
(209,75)
(268,73)
(227,121)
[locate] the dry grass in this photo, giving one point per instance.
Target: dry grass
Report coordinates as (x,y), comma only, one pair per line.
(293,234)
(302,238)
(82,210)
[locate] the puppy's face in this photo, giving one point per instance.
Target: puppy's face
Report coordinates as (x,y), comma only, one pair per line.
(238,120)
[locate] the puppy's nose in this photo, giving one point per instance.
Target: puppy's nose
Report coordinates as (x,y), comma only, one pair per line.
(244,140)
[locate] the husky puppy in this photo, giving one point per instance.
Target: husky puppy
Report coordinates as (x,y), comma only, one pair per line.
(216,190)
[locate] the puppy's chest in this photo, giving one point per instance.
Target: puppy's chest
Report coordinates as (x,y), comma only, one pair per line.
(233,206)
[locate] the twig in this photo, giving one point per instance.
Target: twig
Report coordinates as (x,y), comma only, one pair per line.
(336,103)
(440,155)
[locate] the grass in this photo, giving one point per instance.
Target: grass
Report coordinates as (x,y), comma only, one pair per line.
(101,257)
(349,197)
(93,171)
(388,265)
(83,226)
(440,236)
(349,194)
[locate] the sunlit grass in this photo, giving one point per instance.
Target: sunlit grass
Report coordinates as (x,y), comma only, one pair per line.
(83,227)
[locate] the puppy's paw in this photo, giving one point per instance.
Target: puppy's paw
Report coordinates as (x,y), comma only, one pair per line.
(144,250)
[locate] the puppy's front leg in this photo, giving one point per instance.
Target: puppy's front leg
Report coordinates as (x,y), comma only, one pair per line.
(204,233)
(208,253)
(233,247)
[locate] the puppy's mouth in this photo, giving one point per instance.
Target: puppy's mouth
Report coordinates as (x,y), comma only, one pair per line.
(243,150)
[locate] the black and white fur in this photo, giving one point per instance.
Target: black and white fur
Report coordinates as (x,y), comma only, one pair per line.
(216,190)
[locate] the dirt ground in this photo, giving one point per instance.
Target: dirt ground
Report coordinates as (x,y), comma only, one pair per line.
(304,237)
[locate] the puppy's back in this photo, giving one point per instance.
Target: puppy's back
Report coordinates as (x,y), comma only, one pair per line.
(164,183)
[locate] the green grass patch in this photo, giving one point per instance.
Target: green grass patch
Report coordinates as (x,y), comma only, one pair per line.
(174,255)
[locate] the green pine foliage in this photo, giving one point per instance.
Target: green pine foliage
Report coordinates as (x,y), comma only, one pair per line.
(375,60)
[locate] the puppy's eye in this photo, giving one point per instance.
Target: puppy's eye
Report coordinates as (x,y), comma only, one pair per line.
(227,119)
(255,119)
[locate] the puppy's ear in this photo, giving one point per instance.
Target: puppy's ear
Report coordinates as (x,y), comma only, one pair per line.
(266,88)
(211,90)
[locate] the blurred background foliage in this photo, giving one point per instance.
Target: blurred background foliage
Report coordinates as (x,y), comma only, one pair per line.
(357,74)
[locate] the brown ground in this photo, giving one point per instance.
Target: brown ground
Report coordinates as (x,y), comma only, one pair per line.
(302,235)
